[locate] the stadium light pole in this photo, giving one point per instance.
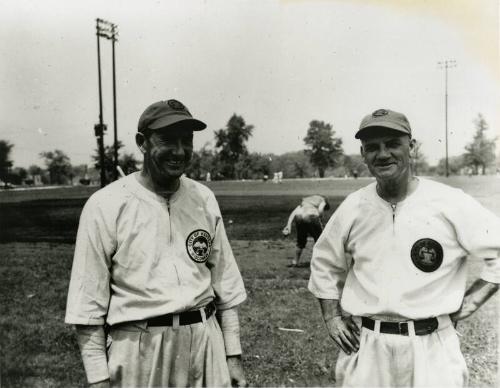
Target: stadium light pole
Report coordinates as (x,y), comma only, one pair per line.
(108,31)
(447,64)
(100,127)
(114,39)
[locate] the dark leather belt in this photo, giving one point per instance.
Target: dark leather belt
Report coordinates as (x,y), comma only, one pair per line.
(422,327)
(185,318)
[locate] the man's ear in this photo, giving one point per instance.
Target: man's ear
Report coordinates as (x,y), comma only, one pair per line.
(361,151)
(140,140)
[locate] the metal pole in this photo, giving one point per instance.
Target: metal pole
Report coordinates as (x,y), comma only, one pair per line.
(449,63)
(100,132)
(446,116)
(115,164)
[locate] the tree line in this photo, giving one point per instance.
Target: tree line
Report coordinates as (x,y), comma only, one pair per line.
(323,155)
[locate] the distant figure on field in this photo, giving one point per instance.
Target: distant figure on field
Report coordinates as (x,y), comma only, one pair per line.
(307,219)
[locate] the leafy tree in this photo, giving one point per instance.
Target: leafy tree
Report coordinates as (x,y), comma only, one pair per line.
(59,166)
(203,161)
(35,170)
(253,166)
(480,153)
(127,162)
(419,163)
(230,143)
(455,165)
(18,175)
(5,162)
(193,170)
(324,150)
(293,164)
(355,166)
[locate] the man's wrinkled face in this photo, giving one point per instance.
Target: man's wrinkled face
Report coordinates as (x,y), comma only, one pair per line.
(167,153)
(387,154)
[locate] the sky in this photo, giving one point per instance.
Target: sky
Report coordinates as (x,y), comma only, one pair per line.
(279,64)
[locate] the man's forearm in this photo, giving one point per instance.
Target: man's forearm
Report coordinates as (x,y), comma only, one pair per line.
(330,308)
(230,327)
(480,292)
(92,343)
(475,297)
(291,218)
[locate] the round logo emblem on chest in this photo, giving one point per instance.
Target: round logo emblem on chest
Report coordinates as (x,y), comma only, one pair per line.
(199,245)
(427,254)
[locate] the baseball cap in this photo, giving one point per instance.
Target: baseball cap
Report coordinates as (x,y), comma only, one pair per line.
(162,114)
(384,118)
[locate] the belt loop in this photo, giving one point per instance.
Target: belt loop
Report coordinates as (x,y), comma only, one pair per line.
(411,328)
(443,321)
(175,321)
(376,328)
(203,315)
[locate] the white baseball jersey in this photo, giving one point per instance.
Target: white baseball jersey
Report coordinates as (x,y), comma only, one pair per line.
(408,259)
(138,255)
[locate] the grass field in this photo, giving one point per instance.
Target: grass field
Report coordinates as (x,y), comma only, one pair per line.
(37,349)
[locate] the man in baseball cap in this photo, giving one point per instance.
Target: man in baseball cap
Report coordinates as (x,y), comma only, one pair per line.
(153,263)
(390,268)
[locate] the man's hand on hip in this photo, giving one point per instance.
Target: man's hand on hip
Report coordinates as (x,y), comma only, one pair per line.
(236,371)
(344,332)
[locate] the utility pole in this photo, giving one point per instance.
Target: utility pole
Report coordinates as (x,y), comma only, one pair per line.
(108,31)
(100,127)
(114,38)
(447,64)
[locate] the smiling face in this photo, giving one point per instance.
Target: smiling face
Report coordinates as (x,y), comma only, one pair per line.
(387,154)
(167,153)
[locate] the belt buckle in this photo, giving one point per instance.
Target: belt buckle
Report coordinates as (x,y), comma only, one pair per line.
(403,328)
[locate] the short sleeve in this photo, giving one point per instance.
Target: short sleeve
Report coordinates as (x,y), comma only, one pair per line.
(226,277)
(330,262)
(89,287)
(478,232)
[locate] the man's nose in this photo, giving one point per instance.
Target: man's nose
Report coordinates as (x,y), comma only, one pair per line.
(383,153)
(178,148)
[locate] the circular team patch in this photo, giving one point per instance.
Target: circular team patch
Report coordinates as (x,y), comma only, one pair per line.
(199,245)
(427,254)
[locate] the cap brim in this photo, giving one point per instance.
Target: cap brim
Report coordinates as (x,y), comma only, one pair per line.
(178,120)
(382,124)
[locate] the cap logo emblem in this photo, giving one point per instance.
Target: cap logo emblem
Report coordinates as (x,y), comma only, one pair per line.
(176,105)
(380,112)
(427,254)
(199,245)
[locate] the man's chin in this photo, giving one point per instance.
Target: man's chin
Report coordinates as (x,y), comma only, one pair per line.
(385,175)
(388,172)
(170,174)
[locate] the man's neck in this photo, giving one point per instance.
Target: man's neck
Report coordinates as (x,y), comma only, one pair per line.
(398,189)
(165,188)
